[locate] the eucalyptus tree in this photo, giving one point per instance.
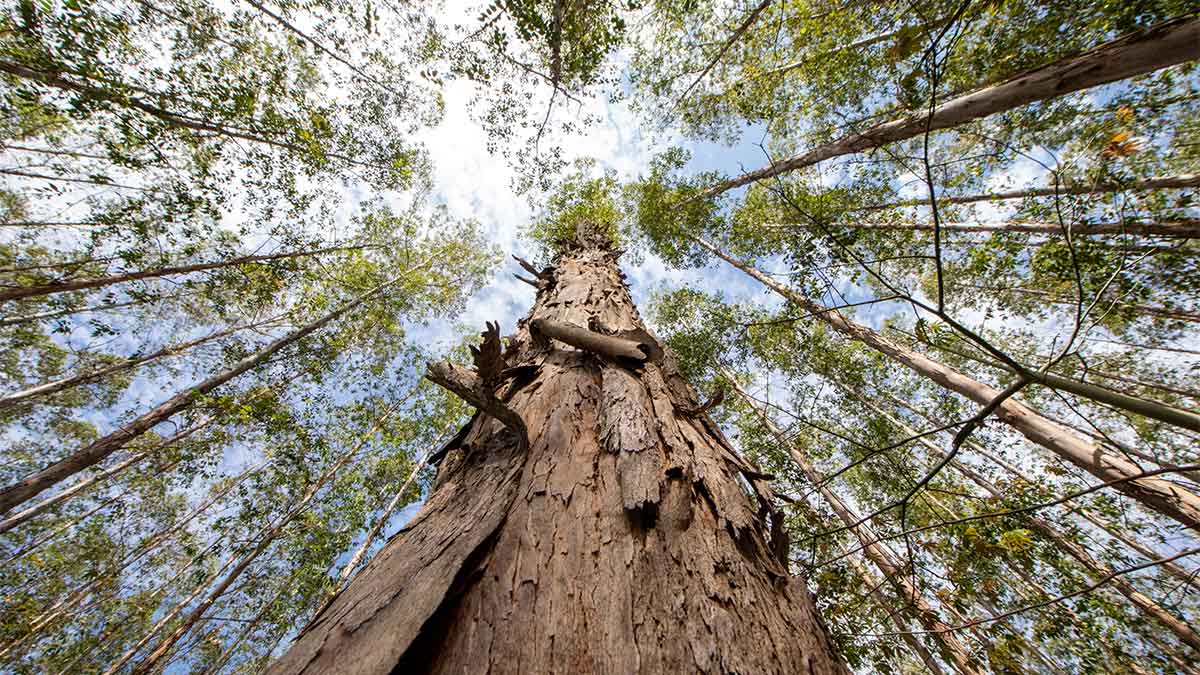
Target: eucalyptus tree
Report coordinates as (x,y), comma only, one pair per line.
(813,369)
(590,455)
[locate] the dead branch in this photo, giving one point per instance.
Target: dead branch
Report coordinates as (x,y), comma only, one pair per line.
(609,346)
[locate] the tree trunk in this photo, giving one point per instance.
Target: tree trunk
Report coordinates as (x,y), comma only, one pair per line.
(20,292)
(55,386)
(1094,567)
(1158,495)
(602,527)
(377,527)
(1082,511)
(1183,229)
(59,497)
(154,660)
(58,609)
(954,651)
(94,453)
(1166,44)
(1187,180)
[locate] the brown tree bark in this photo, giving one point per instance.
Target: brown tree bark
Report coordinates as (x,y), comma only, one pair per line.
(604,529)
(1166,44)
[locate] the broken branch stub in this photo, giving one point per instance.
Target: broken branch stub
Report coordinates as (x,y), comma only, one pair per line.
(610,346)
(472,389)
(489,355)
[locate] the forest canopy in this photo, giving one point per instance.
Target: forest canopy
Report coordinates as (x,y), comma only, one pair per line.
(929,265)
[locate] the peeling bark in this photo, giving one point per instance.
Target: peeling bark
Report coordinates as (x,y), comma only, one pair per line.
(620,539)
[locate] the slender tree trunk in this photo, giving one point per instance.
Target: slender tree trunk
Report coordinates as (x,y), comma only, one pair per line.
(1166,44)
(593,519)
(48,388)
(1183,229)
(154,660)
(60,497)
(1158,495)
(58,609)
(1112,530)
(1094,567)
(1187,180)
(166,618)
(953,650)
(1184,419)
(376,528)
(884,603)
(219,664)
(100,282)
(103,447)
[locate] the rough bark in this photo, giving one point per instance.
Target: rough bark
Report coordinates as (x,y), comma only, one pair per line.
(1158,495)
(619,538)
(1166,44)
(1187,180)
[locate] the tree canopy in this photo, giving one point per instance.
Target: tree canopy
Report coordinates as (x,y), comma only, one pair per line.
(939,257)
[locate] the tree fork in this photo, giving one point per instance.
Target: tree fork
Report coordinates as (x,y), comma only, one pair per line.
(620,538)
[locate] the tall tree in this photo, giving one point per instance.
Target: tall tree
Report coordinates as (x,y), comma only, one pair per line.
(590,471)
